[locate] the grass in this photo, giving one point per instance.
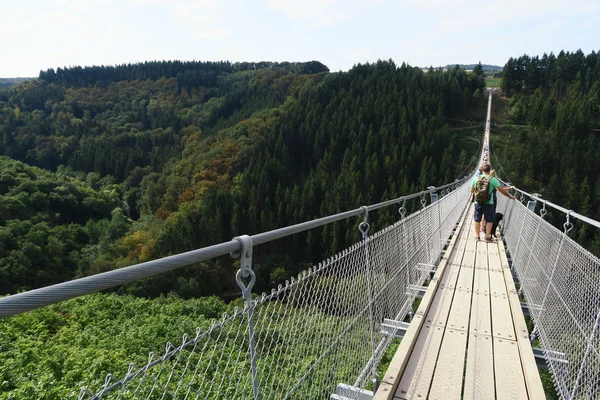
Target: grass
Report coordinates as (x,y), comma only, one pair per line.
(492,82)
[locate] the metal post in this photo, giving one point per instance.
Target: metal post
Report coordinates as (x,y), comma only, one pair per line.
(434,198)
(364,230)
(433,194)
(402,234)
(531,204)
(533,335)
(245,271)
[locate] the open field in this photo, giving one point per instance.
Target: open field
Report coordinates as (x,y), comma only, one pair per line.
(492,82)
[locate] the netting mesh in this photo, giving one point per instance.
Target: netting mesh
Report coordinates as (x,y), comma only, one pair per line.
(311,334)
(561,283)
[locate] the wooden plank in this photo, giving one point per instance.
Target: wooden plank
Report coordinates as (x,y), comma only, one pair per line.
(440,307)
(502,324)
(532,377)
(453,268)
(447,380)
(455,257)
(451,309)
(494,257)
(461,306)
(481,315)
(497,283)
(515,307)
(465,278)
(482,255)
(481,278)
(479,373)
(448,377)
(399,362)
(510,383)
(418,371)
(481,281)
(448,281)
(416,379)
(469,257)
(418,375)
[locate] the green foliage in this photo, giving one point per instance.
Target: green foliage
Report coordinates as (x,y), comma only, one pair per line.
(555,152)
(6,82)
(48,221)
(188,73)
(196,153)
(548,384)
(52,352)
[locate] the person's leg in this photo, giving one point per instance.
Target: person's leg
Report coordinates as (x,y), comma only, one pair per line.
(477,216)
(488,230)
(483,224)
(488,212)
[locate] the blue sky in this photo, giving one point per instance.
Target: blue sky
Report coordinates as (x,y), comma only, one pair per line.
(340,33)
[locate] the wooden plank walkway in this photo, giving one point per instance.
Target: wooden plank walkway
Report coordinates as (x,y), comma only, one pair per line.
(468,339)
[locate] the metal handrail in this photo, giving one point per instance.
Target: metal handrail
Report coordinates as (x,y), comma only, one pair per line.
(36,298)
(568,212)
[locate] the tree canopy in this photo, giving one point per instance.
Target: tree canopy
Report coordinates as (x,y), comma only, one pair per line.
(173,156)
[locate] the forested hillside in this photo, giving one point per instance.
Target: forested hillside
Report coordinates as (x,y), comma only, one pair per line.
(6,82)
(153,159)
(104,167)
(550,142)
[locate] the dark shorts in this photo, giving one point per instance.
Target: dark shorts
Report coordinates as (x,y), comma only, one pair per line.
(486,210)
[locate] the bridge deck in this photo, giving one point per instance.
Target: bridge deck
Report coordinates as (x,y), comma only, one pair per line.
(468,338)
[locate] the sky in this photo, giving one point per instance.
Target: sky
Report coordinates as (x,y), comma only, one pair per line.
(340,33)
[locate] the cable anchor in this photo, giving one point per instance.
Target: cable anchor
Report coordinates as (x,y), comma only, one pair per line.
(245,270)
(364,226)
(402,209)
(543,211)
(568,226)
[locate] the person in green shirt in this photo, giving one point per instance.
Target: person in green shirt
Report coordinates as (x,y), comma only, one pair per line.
(487,209)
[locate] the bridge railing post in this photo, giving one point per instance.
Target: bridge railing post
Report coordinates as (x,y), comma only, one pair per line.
(364,228)
(433,194)
(533,202)
(245,272)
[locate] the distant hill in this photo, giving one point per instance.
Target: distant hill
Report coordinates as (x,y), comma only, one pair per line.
(6,82)
(486,67)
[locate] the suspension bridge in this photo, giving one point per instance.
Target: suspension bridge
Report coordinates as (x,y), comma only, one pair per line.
(323,334)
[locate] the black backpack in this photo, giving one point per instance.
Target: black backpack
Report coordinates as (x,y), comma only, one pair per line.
(482,190)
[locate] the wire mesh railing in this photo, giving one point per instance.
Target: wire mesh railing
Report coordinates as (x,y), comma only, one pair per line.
(560,281)
(308,336)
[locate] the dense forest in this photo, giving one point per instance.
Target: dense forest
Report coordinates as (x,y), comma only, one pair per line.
(549,141)
(172,160)
(6,82)
(104,167)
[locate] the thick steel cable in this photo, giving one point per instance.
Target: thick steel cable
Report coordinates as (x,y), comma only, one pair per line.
(321,320)
(30,300)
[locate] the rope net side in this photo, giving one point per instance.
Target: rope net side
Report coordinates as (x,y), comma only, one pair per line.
(311,334)
(560,282)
